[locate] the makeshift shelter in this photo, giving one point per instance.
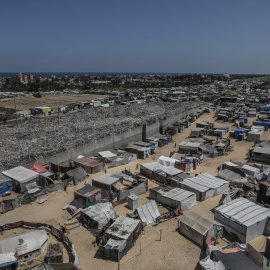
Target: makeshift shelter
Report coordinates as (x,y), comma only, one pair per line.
(232,177)
(5,185)
(250,170)
(189,147)
(84,197)
(22,178)
(148,213)
(255,135)
(233,260)
(98,216)
(239,131)
(106,181)
(243,217)
(195,225)
(9,261)
(78,175)
(177,197)
(197,132)
(88,164)
(205,186)
(120,237)
(261,154)
(27,245)
(159,172)
(205,125)
(166,161)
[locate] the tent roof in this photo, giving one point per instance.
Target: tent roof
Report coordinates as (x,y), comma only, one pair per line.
(235,260)
(155,166)
(30,241)
(101,213)
(243,211)
(204,182)
(176,194)
(21,174)
(107,179)
(198,221)
(107,154)
(123,227)
(231,176)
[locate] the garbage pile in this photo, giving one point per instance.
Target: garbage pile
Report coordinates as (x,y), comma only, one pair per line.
(51,135)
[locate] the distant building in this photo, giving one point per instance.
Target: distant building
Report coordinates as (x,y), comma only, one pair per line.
(24,78)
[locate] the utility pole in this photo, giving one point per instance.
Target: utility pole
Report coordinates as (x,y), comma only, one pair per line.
(16,110)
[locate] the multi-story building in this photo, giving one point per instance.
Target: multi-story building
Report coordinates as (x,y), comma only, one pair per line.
(25,78)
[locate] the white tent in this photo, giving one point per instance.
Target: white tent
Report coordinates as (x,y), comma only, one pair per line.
(175,197)
(205,186)
(99,215)
(166,161)
(27,245)
(21,177)
(195,226)
(243,217)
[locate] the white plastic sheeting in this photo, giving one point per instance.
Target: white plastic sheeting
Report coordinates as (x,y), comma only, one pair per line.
(208,264)
(33,241)
(195,226)
(243,217)
(166,161)
(149,212)
(205,186)
(176,197)
(101,213)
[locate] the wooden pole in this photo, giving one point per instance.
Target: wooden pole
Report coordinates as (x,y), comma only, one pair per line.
(160,235)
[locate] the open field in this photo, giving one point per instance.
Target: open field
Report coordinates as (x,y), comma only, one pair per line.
(174,251)
(53,101)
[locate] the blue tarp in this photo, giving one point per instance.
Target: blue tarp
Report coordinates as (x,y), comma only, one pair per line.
(239,131)
(245,119)
(5,187)
(261,123)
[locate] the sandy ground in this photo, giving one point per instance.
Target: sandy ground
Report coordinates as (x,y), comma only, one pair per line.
(174,251)
(53,101)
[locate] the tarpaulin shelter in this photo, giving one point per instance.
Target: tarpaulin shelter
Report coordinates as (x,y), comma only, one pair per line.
(232,177)
(106,181)
(84,197)
(21,178)
(120,237)
(159,172)
(177,197)
(195,225)
(28,244)
(9,261)
(243,217)
(5,185)
(97,216)
(78,174)
(234,260)
(205,186)
(88,164)
(166,161)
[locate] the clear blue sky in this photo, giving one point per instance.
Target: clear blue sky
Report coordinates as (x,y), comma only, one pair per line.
(203,36)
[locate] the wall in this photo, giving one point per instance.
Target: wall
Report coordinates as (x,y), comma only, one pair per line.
(115,140)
